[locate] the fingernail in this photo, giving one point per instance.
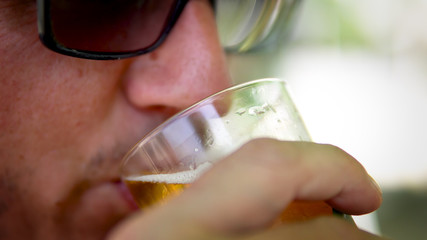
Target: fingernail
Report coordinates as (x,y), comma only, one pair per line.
(375,184)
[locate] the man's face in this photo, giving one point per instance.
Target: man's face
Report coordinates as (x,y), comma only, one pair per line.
(65,123)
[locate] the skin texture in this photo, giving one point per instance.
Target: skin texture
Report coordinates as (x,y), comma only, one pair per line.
(65,123)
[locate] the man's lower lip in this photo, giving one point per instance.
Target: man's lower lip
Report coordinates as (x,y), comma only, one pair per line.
(95,206)
(124,191)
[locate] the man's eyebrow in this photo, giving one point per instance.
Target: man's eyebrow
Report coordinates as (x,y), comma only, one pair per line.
(15,14)
(15,3)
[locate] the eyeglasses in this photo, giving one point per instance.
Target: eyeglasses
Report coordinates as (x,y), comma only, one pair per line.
(106,29)
(115,29)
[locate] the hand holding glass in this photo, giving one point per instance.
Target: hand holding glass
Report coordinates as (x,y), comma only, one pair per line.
(181,149)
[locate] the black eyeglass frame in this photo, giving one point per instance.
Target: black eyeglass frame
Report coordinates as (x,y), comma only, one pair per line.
(47,37)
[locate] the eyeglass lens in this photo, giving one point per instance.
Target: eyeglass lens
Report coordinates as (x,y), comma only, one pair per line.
(109,25)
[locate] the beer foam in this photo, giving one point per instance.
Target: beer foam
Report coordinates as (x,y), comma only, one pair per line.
(184,177)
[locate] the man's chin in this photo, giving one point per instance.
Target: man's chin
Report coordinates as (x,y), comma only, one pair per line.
(92,214)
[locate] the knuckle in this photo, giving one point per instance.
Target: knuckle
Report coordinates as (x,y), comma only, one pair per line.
(272,152)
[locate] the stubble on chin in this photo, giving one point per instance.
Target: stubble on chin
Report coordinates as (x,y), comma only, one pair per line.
(76,215)
(14,220)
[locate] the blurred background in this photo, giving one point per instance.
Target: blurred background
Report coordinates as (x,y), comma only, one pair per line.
(357,71)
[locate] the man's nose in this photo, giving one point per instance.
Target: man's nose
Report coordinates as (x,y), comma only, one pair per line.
(187,67)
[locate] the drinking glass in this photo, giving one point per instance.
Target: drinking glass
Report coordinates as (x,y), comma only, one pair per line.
(177,152)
